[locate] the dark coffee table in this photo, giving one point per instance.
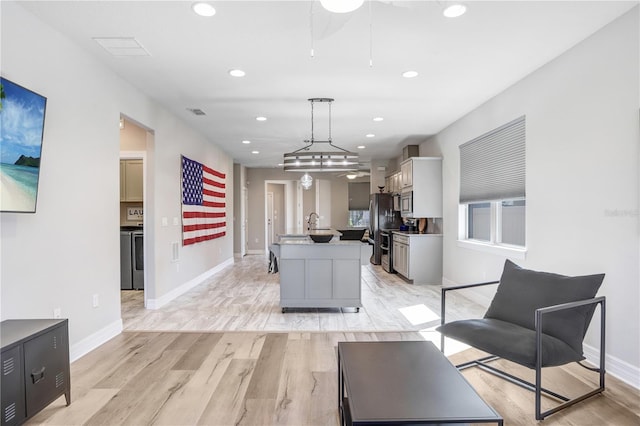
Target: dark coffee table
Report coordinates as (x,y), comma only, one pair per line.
(404,382)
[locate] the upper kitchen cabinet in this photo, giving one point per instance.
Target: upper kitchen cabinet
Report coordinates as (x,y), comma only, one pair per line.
(131,180)
(422,183)
(397,182)
(392,183)
(406,173)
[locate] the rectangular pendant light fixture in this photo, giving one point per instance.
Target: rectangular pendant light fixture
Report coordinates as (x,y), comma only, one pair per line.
(333,159)
(328,161)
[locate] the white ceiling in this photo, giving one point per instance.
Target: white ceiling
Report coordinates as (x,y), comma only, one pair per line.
(462,62)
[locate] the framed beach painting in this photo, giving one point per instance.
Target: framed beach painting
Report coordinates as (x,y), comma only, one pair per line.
(22,114)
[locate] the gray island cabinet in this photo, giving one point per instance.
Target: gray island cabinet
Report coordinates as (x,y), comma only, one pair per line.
(320,275)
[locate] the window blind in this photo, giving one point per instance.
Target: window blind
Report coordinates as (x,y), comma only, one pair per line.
(358,195)
(492,166)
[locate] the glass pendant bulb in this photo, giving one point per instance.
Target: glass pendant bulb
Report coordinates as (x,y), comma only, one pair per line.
(306,181)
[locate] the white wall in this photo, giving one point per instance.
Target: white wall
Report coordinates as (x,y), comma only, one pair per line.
(582,132)
(69,250)
(323,203)
(239,182)
(196,259)
(256,178)
(377,176)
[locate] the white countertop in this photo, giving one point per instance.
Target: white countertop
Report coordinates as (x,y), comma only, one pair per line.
(416,234)
(305,233)
(308,241)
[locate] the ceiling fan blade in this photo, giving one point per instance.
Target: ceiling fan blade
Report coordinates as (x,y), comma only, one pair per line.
(324,23)
(404,4)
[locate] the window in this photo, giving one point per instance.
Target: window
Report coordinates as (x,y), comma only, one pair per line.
(358,218)
(358,204)
(479,221)
(492,188)
(498,222)
(512,214)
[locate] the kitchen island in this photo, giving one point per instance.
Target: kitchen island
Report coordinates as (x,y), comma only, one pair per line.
(320,275)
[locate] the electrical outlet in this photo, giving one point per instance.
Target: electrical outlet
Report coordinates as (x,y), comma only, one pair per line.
(96,301)
(57,313)
(256,240)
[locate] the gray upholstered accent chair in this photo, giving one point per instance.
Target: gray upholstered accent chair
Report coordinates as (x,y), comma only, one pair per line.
(536,319)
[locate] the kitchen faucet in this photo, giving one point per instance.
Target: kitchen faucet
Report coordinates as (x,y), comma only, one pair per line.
(312,224)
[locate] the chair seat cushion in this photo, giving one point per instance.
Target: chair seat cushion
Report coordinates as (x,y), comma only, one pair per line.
(510,341)
(522,291)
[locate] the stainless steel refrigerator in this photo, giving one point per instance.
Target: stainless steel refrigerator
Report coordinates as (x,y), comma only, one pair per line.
(381,216)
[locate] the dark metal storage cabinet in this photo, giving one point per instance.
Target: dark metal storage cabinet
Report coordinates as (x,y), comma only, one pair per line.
(35,366)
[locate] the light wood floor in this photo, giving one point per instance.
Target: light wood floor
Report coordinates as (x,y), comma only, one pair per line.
(267,377)
(259,378)
(245,297)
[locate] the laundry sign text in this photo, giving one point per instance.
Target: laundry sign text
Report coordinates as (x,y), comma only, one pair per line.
(135,213)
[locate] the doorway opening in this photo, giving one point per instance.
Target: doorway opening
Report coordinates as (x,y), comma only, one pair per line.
(135,140)
(283,212)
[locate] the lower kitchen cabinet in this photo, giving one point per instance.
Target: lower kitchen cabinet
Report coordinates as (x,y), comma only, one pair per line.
(418,257)
(400,258)
(324,275)
(35,366)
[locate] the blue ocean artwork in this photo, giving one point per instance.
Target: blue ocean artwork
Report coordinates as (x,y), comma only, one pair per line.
(22,115)
(24,176)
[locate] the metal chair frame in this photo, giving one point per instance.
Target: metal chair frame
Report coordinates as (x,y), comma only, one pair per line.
(537,388)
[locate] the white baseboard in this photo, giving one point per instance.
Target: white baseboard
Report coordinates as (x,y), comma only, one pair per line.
(168,297)
(616,367)
(91,342)
(255,252)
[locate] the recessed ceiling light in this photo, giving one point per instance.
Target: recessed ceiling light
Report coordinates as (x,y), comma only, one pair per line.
(203,9)
(237,73)
(378,119)
(455,10)
(255,152)
(410,74)
(361,147)
(370,135)
(261,118)
(246,142)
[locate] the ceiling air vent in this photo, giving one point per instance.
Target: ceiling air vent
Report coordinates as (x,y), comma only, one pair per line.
(122,46)
(196,111)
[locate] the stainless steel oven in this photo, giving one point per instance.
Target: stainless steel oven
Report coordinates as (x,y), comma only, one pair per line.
(386,247)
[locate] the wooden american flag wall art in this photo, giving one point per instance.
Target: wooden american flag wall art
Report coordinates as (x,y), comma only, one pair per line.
(203,203)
